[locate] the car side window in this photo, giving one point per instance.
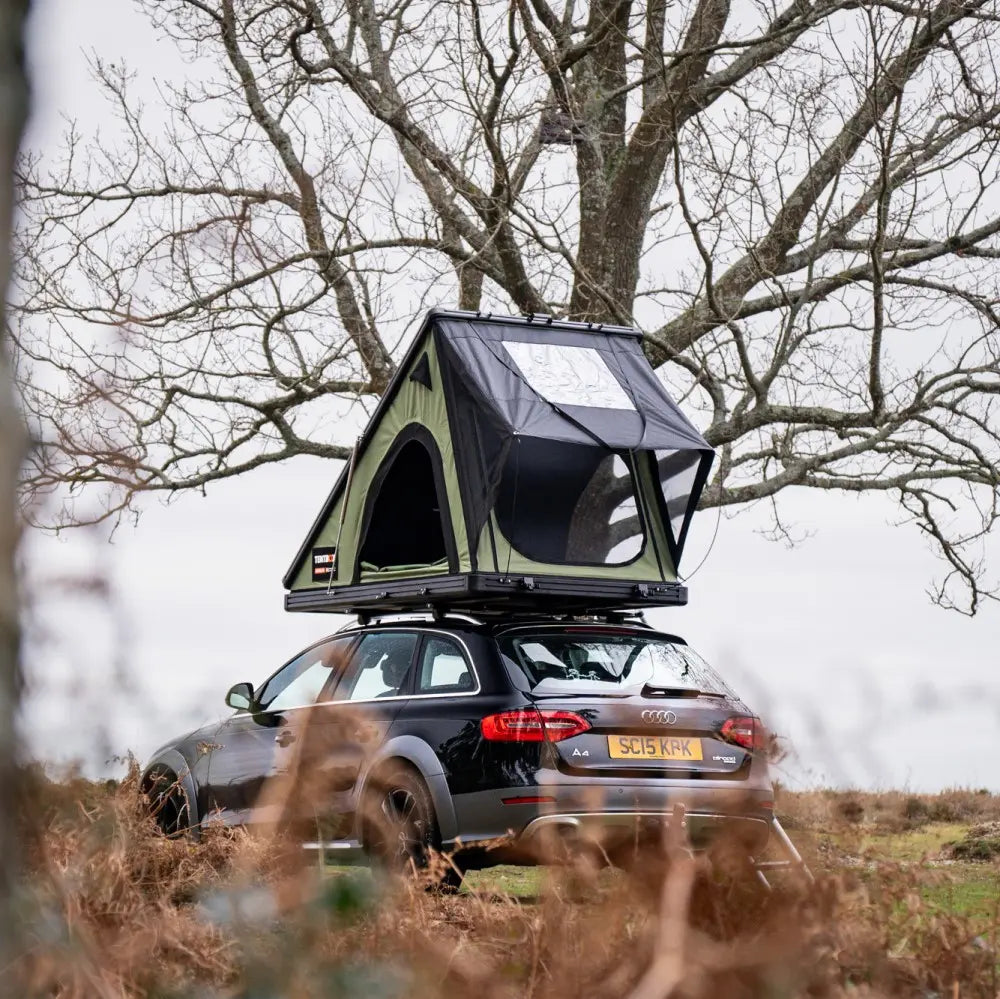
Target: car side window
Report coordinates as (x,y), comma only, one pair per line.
(379,666)
(304,679)
(443,667)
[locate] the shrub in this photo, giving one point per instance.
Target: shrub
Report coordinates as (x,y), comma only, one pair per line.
(978,848)
(851,810)
(943,810)
(980,843)
(915,810)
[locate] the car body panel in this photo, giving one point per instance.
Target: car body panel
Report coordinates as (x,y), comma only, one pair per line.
(240,760)
(693,721)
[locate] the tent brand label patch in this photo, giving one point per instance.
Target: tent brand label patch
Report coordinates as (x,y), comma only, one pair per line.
(568,376)
(322,563)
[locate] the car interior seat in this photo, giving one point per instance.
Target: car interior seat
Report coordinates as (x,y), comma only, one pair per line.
(577,659)
(394,669)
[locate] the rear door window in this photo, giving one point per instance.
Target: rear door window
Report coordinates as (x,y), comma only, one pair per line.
(380,666)
(443,668)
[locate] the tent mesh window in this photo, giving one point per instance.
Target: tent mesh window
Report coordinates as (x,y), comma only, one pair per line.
(678,471)
(569,504)
(405,525)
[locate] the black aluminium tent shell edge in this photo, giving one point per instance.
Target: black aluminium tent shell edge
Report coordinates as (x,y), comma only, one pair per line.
(475,592)
(532,321)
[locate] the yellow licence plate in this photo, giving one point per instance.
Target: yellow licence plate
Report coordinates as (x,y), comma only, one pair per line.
(653,747)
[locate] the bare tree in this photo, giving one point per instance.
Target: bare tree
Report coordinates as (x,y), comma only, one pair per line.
(13,115)
(794,203)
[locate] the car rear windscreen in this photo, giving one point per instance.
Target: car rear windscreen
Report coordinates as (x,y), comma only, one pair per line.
(623,664)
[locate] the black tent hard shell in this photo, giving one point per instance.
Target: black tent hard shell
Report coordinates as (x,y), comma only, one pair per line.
(511,463)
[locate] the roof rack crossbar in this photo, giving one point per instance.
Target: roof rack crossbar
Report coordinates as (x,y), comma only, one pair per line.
(490,615)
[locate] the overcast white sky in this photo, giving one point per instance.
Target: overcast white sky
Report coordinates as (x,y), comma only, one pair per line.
(835,641)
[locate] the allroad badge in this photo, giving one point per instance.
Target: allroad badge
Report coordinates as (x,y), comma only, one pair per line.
(659,717)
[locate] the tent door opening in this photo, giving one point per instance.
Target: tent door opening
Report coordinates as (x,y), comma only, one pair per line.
(406,523)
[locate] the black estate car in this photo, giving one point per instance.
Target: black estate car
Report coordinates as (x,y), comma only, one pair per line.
(457,732)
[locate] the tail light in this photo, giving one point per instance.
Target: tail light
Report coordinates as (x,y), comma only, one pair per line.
(745,731)
(532,725)
(561,725)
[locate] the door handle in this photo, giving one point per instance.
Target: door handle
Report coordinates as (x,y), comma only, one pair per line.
(285,737)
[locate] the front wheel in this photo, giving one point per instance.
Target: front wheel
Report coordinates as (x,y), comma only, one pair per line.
(401,832)
(168,803)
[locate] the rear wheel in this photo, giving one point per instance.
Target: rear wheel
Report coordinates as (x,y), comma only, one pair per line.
(401,832)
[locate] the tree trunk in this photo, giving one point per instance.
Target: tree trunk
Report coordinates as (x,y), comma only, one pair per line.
(13,114)
(617,180)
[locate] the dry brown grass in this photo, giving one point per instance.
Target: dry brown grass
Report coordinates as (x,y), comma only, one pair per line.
(116,910)
(110,902)
(885,811)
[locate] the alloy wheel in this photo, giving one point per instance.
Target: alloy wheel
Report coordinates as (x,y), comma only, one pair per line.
(169,806)
(405,827)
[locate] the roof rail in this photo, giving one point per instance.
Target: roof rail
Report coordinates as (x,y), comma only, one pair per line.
(427,614)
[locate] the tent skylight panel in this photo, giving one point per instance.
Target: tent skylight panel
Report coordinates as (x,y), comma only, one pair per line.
(568,376)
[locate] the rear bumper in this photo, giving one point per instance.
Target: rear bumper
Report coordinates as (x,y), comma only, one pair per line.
(612,830)
(614,837)
(612,811)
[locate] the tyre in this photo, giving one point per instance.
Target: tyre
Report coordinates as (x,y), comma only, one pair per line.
(168,803)
(401,832)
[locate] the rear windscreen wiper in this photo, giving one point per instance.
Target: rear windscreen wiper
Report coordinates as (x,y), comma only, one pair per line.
(539,695)
(651,691)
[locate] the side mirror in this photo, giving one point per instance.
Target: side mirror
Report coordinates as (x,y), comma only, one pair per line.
(240,696)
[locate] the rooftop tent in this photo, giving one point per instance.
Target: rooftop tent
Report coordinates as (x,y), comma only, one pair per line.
(515,462)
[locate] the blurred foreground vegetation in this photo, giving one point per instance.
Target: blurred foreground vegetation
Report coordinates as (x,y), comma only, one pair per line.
(905,903)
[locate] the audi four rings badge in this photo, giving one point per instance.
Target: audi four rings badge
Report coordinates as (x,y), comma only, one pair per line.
(659,717)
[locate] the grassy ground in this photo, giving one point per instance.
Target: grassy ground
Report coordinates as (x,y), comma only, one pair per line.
(959,888)
(518,882)
(953,886)
(965,892)
(872,834)
(967,889)
(945,887)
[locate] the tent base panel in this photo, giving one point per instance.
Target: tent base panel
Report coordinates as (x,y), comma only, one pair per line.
(489,593)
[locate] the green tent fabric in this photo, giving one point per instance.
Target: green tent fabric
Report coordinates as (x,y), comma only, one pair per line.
(510,456)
